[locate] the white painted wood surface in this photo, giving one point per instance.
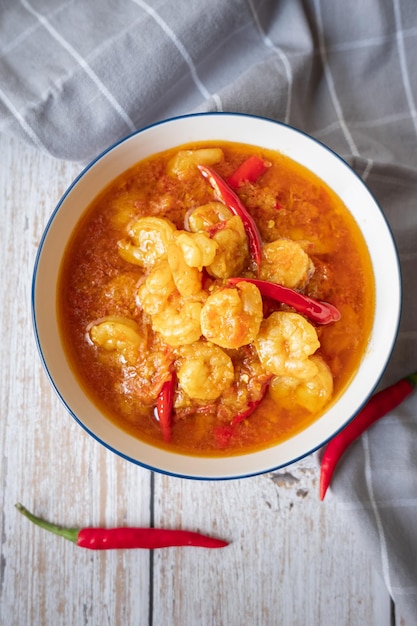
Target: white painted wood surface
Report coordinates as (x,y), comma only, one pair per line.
(293,560)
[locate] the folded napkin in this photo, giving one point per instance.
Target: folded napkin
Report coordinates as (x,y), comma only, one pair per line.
(77,76)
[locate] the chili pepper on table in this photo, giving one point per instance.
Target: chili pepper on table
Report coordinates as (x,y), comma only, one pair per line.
(315,310)
(226,195)
(379,405)
(124,538)
(164,405)
(249,171)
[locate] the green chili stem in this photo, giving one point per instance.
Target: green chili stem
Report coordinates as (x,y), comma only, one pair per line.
(412,379)
(68,533)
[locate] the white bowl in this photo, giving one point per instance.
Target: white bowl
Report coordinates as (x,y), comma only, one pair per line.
(244,129)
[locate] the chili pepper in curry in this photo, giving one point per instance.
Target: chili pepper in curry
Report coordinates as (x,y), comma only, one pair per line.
(252,405)
(250,171)
(224,432)
(315,310)
(124,538)
(226,195)
(379,405)
(164,406)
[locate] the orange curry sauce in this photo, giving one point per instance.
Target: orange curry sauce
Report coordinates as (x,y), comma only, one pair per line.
(287,202)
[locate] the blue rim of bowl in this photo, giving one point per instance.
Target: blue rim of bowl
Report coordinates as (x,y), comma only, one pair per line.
(35,327)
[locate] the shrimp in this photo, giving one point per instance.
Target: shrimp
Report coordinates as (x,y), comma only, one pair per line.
(117,334)
(197,248)
(184,161)
(227,231)
(311,393)
(148,241)
(187,279)
(231,317)
(205,372)
(285,262)
(204,217)
(154,292)
(232,249)
(179,321)
(284,343)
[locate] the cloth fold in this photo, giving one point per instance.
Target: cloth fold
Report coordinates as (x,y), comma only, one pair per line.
(77,76)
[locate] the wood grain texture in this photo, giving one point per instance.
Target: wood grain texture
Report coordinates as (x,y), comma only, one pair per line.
(292,560)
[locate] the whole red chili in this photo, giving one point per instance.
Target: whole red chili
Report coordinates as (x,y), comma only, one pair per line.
(315,310)
(249,171)
(164,406)
(379,405)
(126,538)
(226,195)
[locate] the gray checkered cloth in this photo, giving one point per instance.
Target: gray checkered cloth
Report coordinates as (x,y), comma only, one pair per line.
(75,76)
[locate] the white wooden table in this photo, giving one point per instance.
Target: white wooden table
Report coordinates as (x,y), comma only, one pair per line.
(293,560)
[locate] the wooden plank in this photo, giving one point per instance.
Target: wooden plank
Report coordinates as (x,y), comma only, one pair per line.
(47,461)
(292,561)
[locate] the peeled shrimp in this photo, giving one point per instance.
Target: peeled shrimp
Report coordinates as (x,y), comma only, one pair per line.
(285,262)
(148,241)
(197,248)
(207,215)
(284,344)
(179,321)
(311,393)
(232,249)
(231,317)
(185,161)
(156,289)
(229,234)
(206,371)
(187,279)
(119,334)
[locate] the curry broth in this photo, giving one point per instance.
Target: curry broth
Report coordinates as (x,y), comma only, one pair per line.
(288,201)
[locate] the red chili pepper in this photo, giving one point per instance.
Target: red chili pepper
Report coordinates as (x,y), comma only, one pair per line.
(251,406)
(249,171)
(226,195)
(378,406)
(126,538)
(224,432)
(315,310)
(164,405)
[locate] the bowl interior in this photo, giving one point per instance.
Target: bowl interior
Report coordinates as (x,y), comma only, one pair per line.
(244,129)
